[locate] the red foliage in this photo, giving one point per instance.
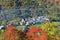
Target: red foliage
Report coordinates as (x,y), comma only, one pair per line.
(33,34)
(36,34)
(11,33)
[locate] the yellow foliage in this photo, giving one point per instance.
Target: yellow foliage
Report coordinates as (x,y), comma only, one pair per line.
(50,28)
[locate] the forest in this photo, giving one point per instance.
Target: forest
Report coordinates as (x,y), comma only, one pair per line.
(29,19)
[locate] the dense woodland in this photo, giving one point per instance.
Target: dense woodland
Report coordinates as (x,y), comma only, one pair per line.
(16,9)
(29,19)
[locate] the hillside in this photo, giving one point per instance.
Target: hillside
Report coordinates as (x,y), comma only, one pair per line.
(12,9)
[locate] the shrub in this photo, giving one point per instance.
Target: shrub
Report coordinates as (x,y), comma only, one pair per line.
(11,33)
(50,28)
(36,34)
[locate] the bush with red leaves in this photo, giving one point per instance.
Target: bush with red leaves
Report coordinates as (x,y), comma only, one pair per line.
(36,34)
(33,34)
(11,33)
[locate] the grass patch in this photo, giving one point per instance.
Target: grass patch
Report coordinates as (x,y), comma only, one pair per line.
(38,25)
(20,27)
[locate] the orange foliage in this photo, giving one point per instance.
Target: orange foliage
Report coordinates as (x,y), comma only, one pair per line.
(36,34)
(32,34)
(11,33)
(57,1)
